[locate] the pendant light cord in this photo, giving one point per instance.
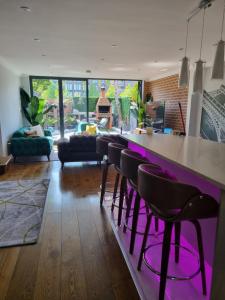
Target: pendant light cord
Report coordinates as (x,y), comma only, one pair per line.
(222,21)
(187,32)
(203,27)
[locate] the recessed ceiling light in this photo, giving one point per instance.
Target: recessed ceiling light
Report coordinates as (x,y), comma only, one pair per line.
(43,55)
(25,8)
(114,45)
(88,71)
(36,39)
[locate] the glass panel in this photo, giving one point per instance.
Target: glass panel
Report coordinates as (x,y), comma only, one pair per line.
(48,89)
(123,96)
(75,106)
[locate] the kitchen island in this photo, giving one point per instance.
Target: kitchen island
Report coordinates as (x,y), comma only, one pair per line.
(201,163)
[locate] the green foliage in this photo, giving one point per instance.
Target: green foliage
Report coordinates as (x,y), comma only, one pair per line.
(34,108)
(130,92)
(93,91)
(92,104)
(49,121)
(111,91)
(40,85)
(25,100)
(126,92)
(125,109)
(135,92)
(70,120)
(141,110)
(46,88)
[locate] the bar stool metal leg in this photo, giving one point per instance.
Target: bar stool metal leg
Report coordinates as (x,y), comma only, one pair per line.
(177,241)
(115,190)
(104,180)
(147,227)
(201,254)
(122,193)
(165,258)
(134,222)
(129,203)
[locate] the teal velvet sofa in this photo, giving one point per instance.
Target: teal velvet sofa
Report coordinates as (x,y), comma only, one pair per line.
(21,145)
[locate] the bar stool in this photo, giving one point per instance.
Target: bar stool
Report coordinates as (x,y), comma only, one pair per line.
(129,163)
(173,202)
(102,149)
(114,153)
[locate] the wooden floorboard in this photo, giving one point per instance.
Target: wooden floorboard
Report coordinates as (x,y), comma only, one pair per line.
(77,255)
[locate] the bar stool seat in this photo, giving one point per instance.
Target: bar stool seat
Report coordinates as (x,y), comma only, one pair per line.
(173,202)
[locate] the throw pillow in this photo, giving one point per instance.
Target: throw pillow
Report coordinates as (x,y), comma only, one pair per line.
(30,133)
(91,129)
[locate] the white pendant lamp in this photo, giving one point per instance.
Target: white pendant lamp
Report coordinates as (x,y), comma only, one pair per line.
(218,66)
(184,72)
(198,76)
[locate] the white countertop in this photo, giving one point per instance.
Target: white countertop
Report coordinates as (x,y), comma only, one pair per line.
(200,156)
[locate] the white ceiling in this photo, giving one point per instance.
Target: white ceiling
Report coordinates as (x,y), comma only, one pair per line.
(77,35)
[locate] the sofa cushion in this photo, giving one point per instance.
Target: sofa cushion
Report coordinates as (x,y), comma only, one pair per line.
(83,143)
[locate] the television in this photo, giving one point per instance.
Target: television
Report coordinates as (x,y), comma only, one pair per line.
(155,114)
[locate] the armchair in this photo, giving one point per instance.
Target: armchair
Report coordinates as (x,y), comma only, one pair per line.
(21,145)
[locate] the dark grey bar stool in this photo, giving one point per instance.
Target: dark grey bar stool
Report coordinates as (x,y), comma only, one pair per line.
(129,163)
(102,149)
(114,153)
(173,203)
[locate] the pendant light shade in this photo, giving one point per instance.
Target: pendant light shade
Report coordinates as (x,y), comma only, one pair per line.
(184,73)
(218,66)
(198,77)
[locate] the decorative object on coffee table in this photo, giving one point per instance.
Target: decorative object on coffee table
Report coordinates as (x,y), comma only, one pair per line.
(21,209)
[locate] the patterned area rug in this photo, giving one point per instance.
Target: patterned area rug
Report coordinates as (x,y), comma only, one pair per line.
(21,209)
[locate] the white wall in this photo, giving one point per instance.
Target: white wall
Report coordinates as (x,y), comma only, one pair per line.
(10,110)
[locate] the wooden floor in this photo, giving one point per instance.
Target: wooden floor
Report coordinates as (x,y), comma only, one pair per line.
(77,256)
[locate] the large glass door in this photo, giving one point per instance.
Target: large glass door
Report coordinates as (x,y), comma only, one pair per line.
(75,102)
(75,106)
(48,89)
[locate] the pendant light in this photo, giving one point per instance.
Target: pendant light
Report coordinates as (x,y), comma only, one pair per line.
(218,66)
(198,77)
(184,72)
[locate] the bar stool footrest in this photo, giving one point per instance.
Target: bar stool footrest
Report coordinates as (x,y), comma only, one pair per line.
(172,277)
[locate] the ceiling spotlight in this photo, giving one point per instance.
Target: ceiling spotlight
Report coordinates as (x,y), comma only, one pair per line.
(25,8)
